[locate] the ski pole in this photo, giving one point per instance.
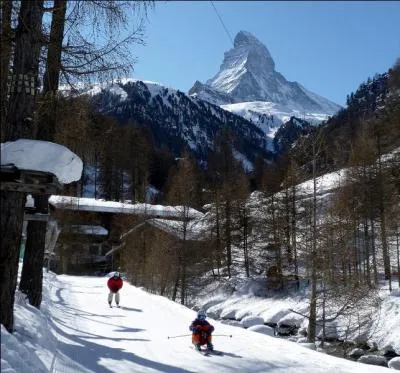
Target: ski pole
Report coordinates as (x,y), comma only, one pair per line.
(178,336)
(222,335)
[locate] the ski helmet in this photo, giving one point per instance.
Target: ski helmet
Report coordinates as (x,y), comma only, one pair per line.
(116,274)
(201,314)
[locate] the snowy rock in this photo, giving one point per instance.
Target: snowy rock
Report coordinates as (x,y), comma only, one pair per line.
(356,353)
(389,351)
(263,329)
(373,346)
(394,363)
(228,314)
(232,323)
(212,314)
(373,360)
(275,316)
(289,324)
(241,314)
(286,330)
(292,319)
(249,321)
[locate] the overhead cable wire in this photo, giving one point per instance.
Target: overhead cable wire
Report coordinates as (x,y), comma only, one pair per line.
(222,22)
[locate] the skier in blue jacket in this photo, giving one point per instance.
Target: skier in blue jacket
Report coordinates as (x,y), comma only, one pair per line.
(201,330)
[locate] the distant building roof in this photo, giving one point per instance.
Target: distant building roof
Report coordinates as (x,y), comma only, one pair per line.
(95,205)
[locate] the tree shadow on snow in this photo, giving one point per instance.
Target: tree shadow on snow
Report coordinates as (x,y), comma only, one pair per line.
(128,330)
(88,335)
(88,354)
(73,312)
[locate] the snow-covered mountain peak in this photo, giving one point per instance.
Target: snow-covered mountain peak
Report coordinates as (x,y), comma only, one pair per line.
(256,53)
(243,65)
(247,74)
(245,38)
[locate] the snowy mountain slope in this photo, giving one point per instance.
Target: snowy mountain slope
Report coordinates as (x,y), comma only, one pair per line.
(76,332)
(176,119)
(248,74)
(269,116)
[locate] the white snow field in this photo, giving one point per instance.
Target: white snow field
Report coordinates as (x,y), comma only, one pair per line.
(76,332)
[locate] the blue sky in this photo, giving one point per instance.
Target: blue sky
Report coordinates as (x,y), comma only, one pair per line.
(328,47)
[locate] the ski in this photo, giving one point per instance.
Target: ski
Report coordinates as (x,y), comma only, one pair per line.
(207,352)
(203,351)
(215,352)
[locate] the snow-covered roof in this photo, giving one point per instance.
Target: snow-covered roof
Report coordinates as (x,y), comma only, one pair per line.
(95,205)
(42,156)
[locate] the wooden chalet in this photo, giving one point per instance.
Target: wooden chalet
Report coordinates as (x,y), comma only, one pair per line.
(92,232)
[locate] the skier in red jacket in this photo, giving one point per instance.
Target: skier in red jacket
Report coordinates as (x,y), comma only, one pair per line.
(114,284)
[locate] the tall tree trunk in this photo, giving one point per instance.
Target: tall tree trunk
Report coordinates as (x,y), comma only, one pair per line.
(19,124)
(218,234)
(312,321)
(373,247)
(11,228)
(6,48)
(366,258)
(47,125)
(382,216)
(228,236)
(398,253)
(23,85)
(64,259)
(245,241)
(294,235)
(176,283)
(183,255)
(287,226)
(32,270)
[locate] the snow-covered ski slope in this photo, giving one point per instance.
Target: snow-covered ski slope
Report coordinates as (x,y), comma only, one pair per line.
(77,332)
